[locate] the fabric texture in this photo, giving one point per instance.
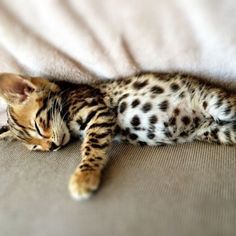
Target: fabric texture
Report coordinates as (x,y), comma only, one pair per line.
(173,190)
(80,40)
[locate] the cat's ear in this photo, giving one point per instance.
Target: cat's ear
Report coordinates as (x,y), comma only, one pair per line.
(15,89)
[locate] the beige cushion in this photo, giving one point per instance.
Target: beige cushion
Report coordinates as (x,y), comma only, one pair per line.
(171,190)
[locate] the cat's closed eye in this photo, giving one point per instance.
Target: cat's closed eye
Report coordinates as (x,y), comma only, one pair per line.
(38,130)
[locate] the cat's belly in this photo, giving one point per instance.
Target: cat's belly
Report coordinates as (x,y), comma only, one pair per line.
(159,122)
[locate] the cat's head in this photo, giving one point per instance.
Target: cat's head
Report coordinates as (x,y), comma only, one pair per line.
(35,114)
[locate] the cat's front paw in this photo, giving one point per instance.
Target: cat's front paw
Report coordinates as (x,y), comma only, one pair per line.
(83,183)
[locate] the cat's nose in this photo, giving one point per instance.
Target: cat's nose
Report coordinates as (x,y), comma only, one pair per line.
(53,146)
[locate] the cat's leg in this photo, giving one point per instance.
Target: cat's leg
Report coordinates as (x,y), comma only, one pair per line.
(218,132)
(215,103)
(98,137)
(219,109)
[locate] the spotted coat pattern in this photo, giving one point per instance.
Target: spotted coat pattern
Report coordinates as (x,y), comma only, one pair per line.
(148,109)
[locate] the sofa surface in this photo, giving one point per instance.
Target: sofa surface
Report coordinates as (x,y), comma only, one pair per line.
(182,190)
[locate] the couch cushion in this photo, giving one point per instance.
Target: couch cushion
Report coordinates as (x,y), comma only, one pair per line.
(170,190)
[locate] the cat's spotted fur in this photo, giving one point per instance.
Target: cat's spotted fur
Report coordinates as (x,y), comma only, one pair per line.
(152,109)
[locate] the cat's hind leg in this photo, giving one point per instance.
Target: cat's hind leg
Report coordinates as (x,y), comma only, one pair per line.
(215,103)
(219,109)
(218,132)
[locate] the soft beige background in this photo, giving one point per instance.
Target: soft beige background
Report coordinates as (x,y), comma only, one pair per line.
(180,190)
(110,38)
(82,39)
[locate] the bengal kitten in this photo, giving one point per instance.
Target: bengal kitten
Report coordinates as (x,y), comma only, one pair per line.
(152,109)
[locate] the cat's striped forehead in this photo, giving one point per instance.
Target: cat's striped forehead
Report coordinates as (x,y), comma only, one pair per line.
(24,115)
(22,118)
(40,126)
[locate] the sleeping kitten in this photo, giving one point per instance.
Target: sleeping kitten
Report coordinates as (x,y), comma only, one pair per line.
(152,109)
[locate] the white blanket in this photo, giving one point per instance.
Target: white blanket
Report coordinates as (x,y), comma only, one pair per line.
(83,39)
